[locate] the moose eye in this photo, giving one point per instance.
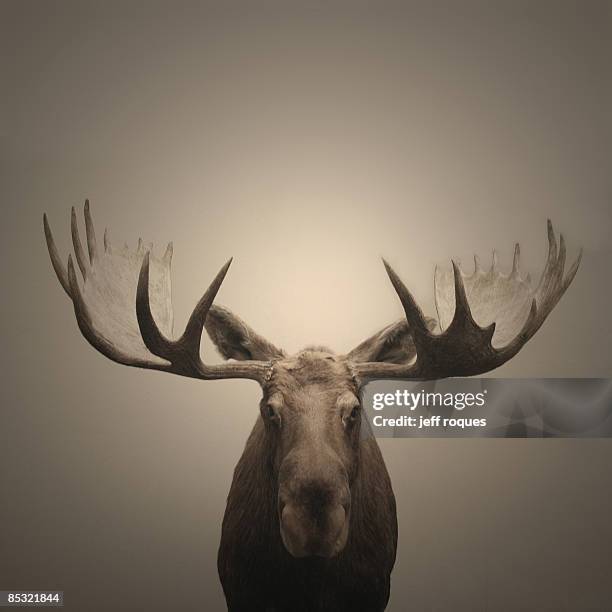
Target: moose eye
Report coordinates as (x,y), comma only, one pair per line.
(352,417)
(271,410)
(272,413)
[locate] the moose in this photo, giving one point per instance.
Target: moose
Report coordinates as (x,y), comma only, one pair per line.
(310,523)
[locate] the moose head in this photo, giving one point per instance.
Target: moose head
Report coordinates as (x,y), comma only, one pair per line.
(310,409)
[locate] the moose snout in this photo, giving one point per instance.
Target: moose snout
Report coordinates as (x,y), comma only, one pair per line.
(314,520)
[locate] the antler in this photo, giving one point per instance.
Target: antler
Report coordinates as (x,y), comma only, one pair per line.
(123,307)
(474,310)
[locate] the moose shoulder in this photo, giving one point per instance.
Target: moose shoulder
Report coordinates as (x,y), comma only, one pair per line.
(310,523)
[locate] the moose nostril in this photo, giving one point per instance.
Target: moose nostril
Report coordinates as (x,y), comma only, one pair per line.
(345,500)
(294,532)
(337,517)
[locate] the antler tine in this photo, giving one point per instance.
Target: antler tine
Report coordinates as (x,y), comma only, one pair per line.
(463,314)
(550,259)
(76,243)
(552,240)
(414,314)
(154,340)
(193,330)
(516,260)
(56,261)
(560,259)
(167,258)
(91,234)
(572,271)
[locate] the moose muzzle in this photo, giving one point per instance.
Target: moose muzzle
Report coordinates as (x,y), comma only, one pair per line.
(314,517)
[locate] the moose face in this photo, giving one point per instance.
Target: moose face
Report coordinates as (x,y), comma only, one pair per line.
(312,415)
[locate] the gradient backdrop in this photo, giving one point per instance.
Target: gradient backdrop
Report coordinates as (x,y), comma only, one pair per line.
(306,140)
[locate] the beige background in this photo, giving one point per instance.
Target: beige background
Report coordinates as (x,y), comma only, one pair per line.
(306,140)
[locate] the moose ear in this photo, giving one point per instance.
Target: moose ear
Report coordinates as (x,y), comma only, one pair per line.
(393,344)
(235,339)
